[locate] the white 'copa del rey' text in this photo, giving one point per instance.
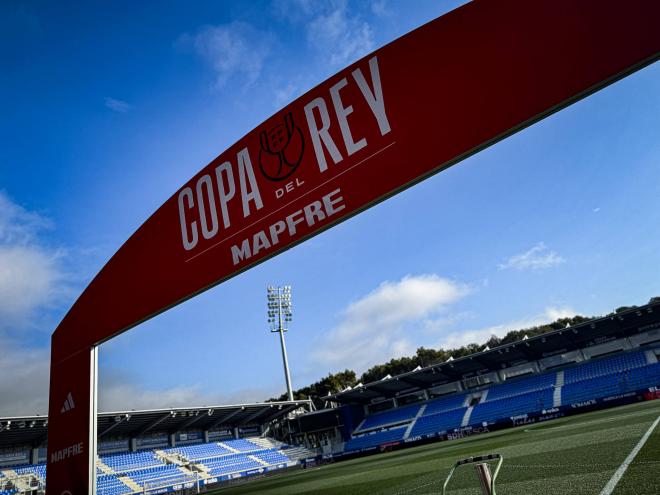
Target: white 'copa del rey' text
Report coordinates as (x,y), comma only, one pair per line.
(217,197)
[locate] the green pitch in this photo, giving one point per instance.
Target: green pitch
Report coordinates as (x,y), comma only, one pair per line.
(569,455)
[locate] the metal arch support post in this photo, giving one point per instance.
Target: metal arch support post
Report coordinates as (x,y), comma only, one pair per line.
(474,460)
(93,416)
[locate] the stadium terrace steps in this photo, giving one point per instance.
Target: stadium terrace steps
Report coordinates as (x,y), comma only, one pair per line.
(231,449)
(20,478)
(260,461)
(168,457)
(466,416)
(130,483)
(28,473)
(412,423)
(105,469)
(191,473)
(266,443)
(199,451)
(559,383)
(298,453)
(240,445)
(650,357)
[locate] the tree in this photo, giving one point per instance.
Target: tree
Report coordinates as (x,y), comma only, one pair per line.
(333,383)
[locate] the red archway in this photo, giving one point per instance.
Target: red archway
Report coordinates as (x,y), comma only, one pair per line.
(411,109)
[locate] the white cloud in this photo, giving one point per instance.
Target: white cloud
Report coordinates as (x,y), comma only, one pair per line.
(374,328)
(338,35)
(235,49)
(116,105)
(23,379)
(537,258)
(31,275)
(124,396)
(344,39)
(32,280)
(119,392)
(597,209)
(479,336)
(379,8)
(286,94)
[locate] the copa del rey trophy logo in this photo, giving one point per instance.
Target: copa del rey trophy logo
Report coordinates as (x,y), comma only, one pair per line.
(282,148)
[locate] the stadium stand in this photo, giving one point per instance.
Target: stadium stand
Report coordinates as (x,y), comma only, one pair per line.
(159,469)
(597,378)
(615,364)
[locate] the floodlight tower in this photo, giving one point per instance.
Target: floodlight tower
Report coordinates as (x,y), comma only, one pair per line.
(280,313)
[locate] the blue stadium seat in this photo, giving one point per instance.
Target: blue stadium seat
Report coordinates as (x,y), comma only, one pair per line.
(446,403)
(165,475)
(232,463)
(272,457)
(121,463)
(202,451)
(242,445)
(518,386)
(491,411)
(438,422)
(390,417)
(39,470)
(375,439)
(604,366)
(109,484)
(615,383)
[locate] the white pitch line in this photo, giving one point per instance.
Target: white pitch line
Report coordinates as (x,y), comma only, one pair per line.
(614,480)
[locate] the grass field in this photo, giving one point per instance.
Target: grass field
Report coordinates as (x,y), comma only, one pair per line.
(579,454)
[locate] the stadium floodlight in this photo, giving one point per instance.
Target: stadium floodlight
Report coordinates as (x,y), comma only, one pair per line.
(280,314)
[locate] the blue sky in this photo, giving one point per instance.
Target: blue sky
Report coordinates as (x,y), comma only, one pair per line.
(108,108)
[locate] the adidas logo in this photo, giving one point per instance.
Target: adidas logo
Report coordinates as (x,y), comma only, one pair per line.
(68,404)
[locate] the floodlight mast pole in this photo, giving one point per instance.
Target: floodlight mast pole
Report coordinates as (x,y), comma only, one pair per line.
(276,295)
